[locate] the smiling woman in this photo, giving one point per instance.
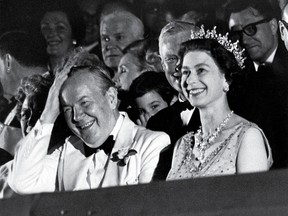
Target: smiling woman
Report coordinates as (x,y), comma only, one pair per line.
(225,143)
(62,27)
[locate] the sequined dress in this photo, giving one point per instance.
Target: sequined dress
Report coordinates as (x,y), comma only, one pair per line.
(219,159)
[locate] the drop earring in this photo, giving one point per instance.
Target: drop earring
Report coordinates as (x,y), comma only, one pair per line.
(226,88)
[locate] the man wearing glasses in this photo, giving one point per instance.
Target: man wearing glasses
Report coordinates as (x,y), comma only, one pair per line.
(255,25)
(283,26)
(178,119)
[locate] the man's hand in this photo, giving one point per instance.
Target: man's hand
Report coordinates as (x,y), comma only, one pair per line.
(52,107)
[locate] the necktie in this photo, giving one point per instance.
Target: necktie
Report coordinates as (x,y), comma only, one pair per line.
(107,147)
(264,69)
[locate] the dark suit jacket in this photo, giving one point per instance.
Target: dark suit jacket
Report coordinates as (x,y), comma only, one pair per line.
(169,121)
(264,102)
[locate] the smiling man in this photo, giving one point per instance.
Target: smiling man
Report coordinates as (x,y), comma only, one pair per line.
(107,148)
(178,119)
(254,23)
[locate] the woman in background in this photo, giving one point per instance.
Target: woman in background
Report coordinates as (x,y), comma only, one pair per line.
(63,28)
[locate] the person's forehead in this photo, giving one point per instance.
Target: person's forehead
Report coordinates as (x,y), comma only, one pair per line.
(171,44)
(55,16)
(129,58)
(199,57)
(116,24)
(244,17)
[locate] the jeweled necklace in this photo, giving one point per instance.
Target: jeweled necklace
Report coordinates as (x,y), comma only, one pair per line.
(206,142)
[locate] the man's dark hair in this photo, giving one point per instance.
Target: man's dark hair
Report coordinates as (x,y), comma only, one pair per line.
(24,48)
(264,7)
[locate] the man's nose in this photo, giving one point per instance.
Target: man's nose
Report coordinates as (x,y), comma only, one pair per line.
(245,39)
(109,45)
(77,114)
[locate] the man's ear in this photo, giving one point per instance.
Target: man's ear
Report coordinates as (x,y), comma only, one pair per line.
(112,97)
(281,29)
(7,62)
(274,26)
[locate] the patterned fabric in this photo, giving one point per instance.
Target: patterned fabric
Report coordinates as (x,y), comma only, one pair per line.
(219,159)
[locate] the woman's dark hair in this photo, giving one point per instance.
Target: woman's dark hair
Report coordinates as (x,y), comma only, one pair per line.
(73,12)
(36,88)
(152,81)
(224,59)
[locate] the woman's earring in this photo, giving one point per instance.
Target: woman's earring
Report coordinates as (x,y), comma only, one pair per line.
(226,88)
(74,42)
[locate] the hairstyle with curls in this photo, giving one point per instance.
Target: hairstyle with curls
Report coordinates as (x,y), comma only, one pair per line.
(147,53)
(73,12)
(152,81)
(223,58)
(24,48)
(36,89)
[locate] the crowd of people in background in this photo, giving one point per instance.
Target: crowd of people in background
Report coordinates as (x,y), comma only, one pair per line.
(110,93)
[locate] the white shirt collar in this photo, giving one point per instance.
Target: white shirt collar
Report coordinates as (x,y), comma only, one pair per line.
(117,126)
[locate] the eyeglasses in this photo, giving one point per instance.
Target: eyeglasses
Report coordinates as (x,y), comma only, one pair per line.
(250,29)
(284,23)
(171,60)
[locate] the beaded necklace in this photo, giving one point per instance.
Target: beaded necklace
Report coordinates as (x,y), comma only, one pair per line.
(206,142)
(202,147)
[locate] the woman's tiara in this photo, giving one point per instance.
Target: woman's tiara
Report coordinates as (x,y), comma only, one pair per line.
(224,41)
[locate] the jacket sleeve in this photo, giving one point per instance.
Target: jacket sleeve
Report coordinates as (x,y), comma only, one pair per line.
(150,152)
(33,170)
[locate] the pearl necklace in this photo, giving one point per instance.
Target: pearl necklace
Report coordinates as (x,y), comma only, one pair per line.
(204,143)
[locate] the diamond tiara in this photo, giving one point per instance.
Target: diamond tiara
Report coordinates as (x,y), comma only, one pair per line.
(224,41)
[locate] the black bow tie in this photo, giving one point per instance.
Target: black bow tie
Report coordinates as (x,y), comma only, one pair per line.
(107,147)
(181,106)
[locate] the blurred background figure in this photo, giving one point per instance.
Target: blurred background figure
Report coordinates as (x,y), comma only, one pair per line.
(91,13)
(150,92)
(31,98)
(153,14)
(139,57)
(20,56)
(118,28)
(63,29)
(283,26)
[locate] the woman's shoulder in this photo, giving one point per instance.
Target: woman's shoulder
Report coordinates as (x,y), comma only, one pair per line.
(244,124)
